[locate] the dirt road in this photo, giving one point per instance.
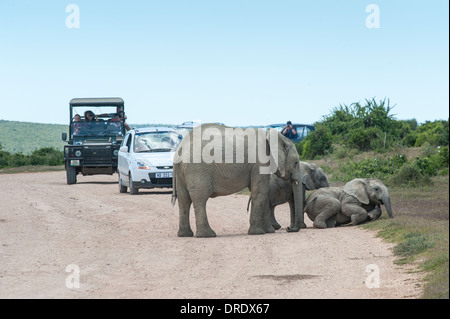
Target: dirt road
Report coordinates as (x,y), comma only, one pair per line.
(126,247)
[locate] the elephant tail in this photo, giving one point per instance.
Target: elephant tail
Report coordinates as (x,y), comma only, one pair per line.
(248,204)
(174,190)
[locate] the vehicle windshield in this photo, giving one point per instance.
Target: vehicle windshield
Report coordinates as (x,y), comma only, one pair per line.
(157,141)
(97,121)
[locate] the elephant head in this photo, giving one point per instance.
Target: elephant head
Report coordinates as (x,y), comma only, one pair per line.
(369,191)
(313,177)
(288,168)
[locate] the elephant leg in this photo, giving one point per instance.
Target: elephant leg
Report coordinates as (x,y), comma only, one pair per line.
(357,214)
(267,223)
(328,210)
(331,222)
(259,223)
(292,209)
(273,220)
(201,219)
(184,205)
(374,213)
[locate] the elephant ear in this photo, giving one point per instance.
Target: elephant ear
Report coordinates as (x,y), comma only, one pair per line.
(277,146)
(306,171)
(357,189)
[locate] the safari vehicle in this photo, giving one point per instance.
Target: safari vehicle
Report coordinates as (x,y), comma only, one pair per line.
(302,130)
(93,146)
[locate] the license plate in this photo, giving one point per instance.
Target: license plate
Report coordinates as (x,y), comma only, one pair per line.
(163,175)
(75,163)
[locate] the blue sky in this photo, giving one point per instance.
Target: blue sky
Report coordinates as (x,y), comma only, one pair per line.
(247,62)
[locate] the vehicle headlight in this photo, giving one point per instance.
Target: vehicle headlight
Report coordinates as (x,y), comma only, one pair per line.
(77,153)
(116,152)
(141,164)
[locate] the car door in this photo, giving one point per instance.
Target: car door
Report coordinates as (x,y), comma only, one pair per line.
(124,158)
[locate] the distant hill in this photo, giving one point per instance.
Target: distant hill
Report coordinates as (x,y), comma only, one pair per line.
(25,137)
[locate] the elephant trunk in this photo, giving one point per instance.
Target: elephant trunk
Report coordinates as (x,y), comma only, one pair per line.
(297,215)
(387,205)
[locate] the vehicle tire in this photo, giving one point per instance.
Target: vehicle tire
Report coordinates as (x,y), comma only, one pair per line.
(122,189)
(71,174)
(133,190)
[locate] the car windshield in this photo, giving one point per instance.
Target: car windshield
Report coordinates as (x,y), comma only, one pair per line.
(156,141)
(97,121)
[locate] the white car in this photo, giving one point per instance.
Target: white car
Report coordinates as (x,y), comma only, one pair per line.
(146,158)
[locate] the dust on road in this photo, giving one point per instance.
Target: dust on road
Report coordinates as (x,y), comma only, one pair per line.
(127,247)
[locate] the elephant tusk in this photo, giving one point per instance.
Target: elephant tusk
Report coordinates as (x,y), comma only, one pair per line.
(296,182)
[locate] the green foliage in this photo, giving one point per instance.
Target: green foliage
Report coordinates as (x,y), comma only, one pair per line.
(414,243)
(371,168)
(25,137)
(45,156)
(369,127)
(317,144)
(434,133)
(398,170)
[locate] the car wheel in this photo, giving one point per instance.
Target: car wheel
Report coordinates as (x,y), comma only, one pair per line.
(71,174)
(133,189)
(122,189)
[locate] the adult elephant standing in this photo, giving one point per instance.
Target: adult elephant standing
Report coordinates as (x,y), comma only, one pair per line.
(312,177)
(233,160)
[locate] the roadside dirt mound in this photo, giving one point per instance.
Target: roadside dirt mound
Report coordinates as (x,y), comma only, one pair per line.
(126,247)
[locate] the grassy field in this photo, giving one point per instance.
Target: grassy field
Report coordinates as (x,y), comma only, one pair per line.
(420,231)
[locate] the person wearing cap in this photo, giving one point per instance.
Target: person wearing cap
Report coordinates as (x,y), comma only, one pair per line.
(289,131)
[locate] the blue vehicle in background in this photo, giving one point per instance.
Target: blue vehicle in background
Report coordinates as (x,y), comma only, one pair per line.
(302,130)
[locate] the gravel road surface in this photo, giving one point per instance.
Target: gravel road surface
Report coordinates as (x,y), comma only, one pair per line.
(54,236)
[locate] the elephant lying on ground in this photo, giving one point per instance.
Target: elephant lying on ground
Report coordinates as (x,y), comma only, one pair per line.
(313,177)
(197,176)
(356,202)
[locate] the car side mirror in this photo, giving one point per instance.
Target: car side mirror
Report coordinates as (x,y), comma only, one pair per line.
(123,149)
(64,136)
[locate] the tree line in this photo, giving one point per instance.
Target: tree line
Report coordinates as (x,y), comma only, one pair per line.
(371,126)
(46,156)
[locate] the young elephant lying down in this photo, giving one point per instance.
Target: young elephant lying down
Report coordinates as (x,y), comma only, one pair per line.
(356,202)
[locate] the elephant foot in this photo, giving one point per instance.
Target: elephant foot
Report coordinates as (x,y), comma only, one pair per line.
(319,224)
(185,233)
(276,226)
(331,223)
(358,218)
(269,229)
(203,233)
(255,230)
(303,225)
(290,229)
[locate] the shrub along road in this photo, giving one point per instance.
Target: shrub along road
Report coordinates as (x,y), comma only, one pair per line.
(126,247)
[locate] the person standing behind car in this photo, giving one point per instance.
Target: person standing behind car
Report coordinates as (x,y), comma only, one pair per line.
(289,131)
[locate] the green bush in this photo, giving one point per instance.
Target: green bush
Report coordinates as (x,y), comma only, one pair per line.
(46,156)
(414,243)
(371,168)
(409,175)
(435,133)
(317,143)
(370,126)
